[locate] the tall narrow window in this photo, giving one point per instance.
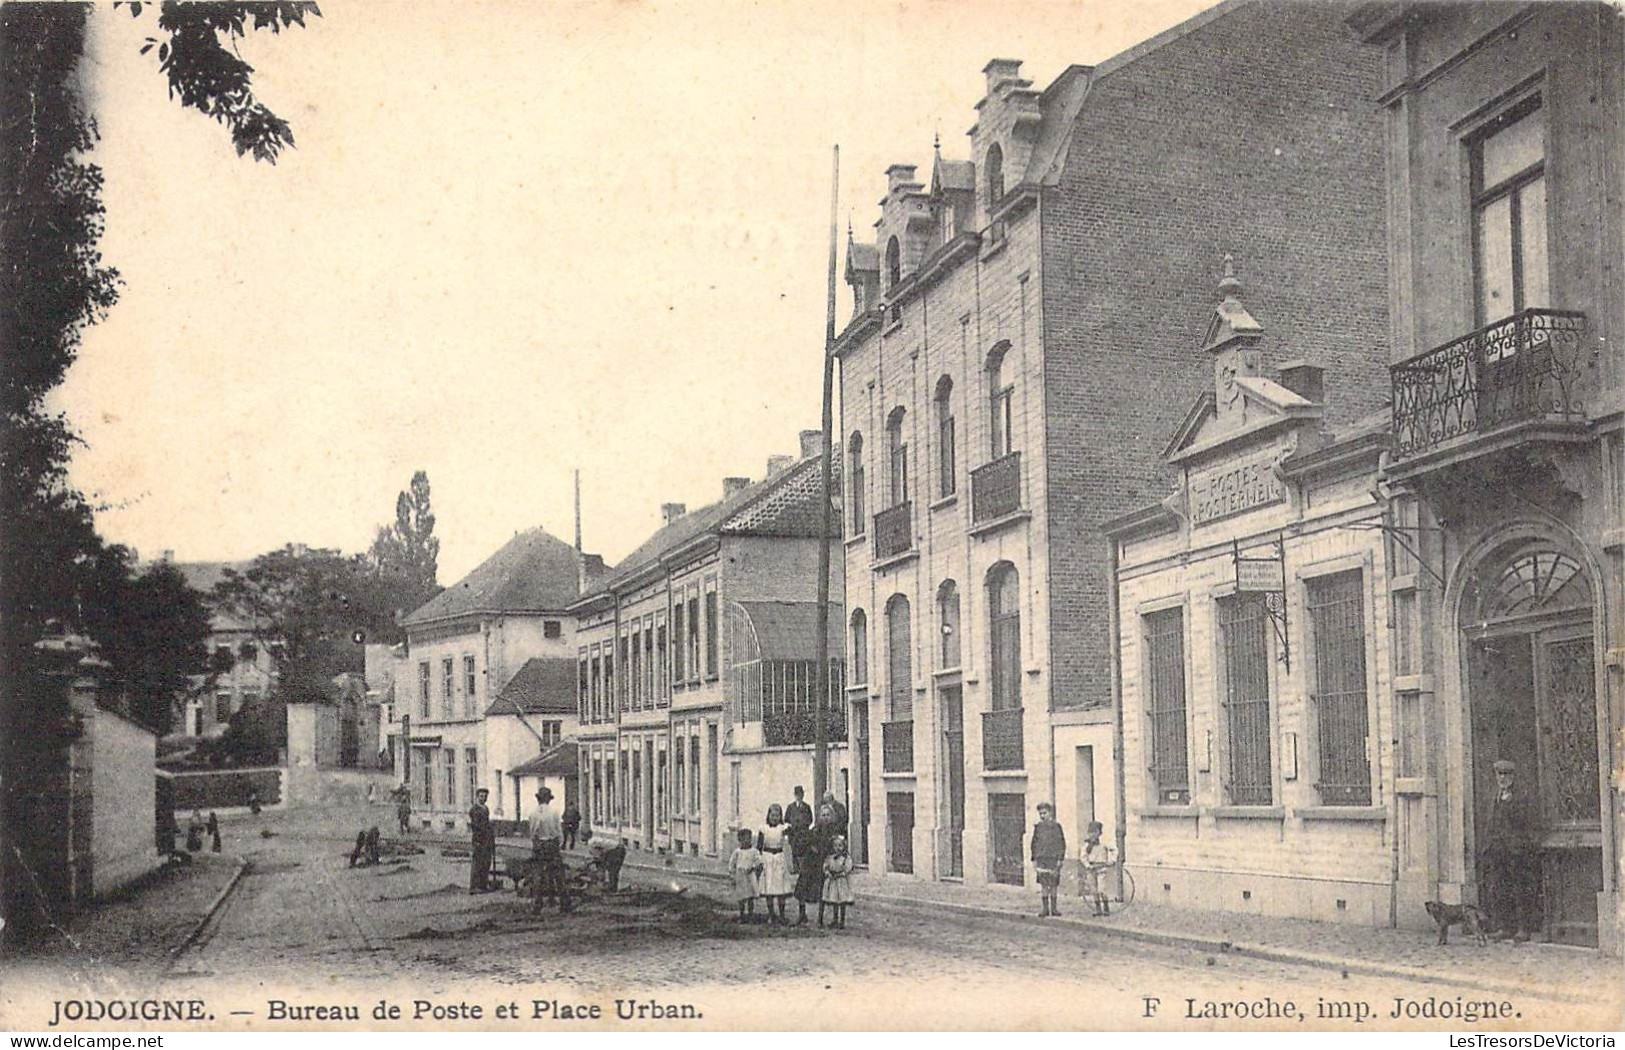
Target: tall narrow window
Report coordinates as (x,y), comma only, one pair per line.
(897,457)
(634,670)
(694,638)
(1508,161)
(448,776)
(1164,634)
(994,167)
(1244,652)
(948,622)
(899,660)
(597,706)
(711,668)
(662,690)
(471,772)
(470,685)
(609,684)
(423,689)
(946,453)
(855,455)
(860,648)
(1004,633)
(1001,397)
(447,685)
(894,264)
(1337,622)
(649,664)
(583,684)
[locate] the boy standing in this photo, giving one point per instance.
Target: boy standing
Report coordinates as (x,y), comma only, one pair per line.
(1048,851)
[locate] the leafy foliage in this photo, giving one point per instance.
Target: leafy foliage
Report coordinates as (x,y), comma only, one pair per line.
(207,76)
(406,555)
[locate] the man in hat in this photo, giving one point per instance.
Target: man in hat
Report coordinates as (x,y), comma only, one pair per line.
(1511,869)
(547,853)
(484,843)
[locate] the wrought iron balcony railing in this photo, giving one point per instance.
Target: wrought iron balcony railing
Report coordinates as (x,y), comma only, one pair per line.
(995,488)
(1001,739)
(795,728)
(1525,367)
(897,747)
(894,530)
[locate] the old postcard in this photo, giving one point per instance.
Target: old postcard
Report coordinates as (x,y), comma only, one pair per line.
(813,516)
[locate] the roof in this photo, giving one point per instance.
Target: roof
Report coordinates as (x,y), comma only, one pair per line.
(546,685)
(783,505)
(863,258)
(202,576)
(950,175)
(560,760)
(789,630)
(533,572)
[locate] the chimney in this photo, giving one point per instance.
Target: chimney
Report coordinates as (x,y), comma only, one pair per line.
(812,443)
(1000,70)
(732,487)
(670,512)
(777,465)
(901,176)
(1304,379)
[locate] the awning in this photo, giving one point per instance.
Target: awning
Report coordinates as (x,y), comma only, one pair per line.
(560,760)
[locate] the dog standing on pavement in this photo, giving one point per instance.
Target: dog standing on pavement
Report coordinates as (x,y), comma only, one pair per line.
(1467,916)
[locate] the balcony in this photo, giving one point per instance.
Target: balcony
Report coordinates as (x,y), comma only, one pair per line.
(897,747)
(995,488)
(1524,369)
(1001,739)
(894,531)
(795,728)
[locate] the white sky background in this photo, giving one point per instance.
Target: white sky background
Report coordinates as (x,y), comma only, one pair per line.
(514,239)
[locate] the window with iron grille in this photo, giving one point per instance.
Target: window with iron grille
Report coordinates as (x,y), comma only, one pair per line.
(1165,705)
(1244,651)
(1337,622)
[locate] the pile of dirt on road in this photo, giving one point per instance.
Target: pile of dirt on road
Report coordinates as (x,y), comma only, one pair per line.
(450,889)
(399,869)
(398,848)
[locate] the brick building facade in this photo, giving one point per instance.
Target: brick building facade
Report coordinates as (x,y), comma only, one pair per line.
(1020,348)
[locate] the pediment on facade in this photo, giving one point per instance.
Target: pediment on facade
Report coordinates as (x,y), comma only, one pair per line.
(1260,407)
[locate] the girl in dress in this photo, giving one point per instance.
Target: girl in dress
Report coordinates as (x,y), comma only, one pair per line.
(777,884)
(837,883)
(745,864)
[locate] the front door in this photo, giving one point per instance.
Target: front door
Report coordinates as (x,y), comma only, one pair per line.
(1007,827)
(900,825)
(859,814)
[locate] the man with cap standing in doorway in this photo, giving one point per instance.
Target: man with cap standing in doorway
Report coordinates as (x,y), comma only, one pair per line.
(1511,869)
(547,853)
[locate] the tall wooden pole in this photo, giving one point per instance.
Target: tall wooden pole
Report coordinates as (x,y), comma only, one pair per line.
(821,701)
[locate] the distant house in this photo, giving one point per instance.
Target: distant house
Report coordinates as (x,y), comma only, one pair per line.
(463,648)
(242,669)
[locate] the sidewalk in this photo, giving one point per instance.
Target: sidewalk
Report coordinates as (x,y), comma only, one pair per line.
(1504,969)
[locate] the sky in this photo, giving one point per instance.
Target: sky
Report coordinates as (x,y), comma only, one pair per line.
(514,240)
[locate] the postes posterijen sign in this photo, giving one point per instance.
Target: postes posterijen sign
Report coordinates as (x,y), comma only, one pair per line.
(1219,492)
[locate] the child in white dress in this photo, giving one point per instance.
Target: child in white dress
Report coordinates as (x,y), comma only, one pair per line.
(745,865)
(777,883)
(837,883)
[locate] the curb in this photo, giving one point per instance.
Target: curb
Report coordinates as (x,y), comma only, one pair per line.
(214,909)
(1203,944)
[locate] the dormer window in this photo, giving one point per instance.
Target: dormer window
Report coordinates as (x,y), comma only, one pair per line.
(995,176)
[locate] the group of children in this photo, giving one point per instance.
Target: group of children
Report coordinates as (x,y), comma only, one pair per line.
(1049,852)
(760,867)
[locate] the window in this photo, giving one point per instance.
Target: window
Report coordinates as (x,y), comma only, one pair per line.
(648,664)
(583,685)
(1004,634)
(660,789)
(894,264)
(1336,609)
(628,674)
(596,705)
(248,652)
(1001,415)
(855,454)
(948,622)
(552,629)
(694,776)
(552,731)
(448,778)
(1244,653)
(423,689)
(447,685)
(694,638)
(470,682)
(222,708)
(1509,214)
(637,788)
(995,176)
(679,779)
(897,457)
(860,648)
(634,671)
(711,634)
(661,692)
(899,660)
(608,711)
(1164,634)
(425,778)
(946,479)
(471,772)
(678,641)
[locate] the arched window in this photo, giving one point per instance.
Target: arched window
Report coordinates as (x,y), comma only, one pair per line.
(899,660)
(1004,633)
(894,264)
(854,453)
(1533,580)
(946,455)
(995,176)
(1001,397)
(897,457)
(860,648)
(948,622)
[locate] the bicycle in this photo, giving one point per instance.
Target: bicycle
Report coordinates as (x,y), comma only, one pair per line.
(1115,880)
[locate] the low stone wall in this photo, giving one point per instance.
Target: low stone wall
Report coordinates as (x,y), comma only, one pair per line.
(312,786)
(227,788)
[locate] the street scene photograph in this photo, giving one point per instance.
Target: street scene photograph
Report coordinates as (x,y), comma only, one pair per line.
(812,517)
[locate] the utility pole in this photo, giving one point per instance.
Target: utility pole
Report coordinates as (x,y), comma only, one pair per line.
(821,679)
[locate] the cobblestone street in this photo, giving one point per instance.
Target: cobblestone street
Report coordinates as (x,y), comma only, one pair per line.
(304,928)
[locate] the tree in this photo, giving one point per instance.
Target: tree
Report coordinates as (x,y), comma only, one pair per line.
(406,555)
(153,629)
(305,605)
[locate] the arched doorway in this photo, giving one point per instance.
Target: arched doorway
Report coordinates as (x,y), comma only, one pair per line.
(1527,622)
